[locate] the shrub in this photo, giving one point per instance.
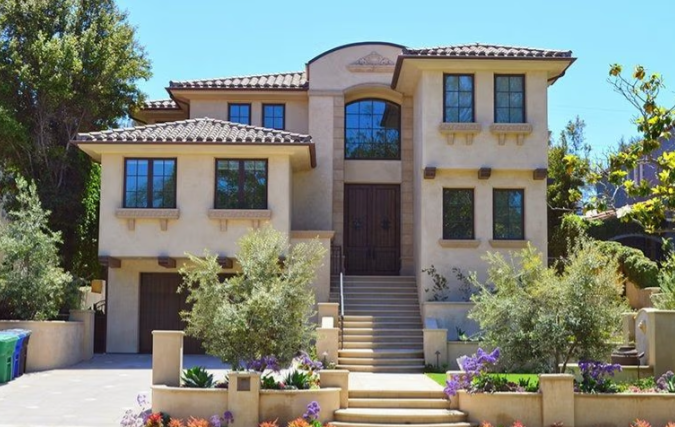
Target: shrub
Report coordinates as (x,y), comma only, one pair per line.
(633,264)
(32,284)
(265,309)
(541,319)
(665,299)
(594,377)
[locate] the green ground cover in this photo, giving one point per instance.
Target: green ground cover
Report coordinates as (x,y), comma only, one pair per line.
(440,378)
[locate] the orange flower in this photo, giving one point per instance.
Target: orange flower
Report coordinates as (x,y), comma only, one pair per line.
(269,423)
(298,422)
(175,422)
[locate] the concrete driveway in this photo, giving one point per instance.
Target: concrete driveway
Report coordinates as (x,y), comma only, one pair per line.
(92,393)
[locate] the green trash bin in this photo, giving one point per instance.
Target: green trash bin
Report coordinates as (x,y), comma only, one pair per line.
(7,346)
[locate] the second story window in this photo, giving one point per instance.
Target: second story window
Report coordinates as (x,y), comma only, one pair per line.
(458,98)
(508,210)
(239,113)
(150,183)
(372,130)
(241,184)
(458,211)
(274,116)
(510,98)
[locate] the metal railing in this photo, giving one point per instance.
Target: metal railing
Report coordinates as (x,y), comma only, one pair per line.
(336,262)
(342,310)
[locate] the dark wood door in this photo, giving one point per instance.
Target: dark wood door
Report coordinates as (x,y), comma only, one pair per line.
(372,229)
(160,306)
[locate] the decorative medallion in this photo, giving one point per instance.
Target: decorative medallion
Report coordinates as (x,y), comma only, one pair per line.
(372,63)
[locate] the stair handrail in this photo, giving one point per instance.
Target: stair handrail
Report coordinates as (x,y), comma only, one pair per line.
(342,308)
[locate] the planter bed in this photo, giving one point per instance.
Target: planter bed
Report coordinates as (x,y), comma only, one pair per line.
(619,410)
(501,409)
(287,405)
(183,402)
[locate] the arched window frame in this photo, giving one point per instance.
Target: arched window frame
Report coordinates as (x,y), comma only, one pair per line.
(398,128)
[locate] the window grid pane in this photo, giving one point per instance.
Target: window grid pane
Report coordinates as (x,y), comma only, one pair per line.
(273,116)
(372,130)
(150,183)
(241,184)
(510,99)
(458,99)
(458,214)
(508,214)
(240,113)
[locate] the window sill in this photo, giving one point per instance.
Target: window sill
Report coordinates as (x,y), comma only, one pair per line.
(517,130)
(451,130)
(252,215)
(457,243)
(132,214)
(509,244)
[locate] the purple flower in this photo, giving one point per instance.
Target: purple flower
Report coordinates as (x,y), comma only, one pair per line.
(264,363)
(142,400)
(215,421)
(473,366)
(228,417)
(313,410)
(307,363)
(666,382)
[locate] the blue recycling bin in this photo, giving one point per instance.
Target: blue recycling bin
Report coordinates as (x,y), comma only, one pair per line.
(20,350)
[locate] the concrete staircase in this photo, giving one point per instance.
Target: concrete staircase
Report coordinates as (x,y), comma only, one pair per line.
(382,327)
(395,408)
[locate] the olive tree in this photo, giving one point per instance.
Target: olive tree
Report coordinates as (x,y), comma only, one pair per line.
(32,285)
(262,311)
(542,319)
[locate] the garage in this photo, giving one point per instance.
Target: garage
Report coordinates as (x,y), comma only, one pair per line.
(160,307)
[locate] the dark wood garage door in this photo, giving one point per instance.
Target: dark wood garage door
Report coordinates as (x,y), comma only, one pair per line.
(160,305)
(372,229)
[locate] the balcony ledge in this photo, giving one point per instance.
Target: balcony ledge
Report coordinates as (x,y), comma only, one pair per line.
(132,214)
(451,130)
(457,243)
(518,130)
(255,216)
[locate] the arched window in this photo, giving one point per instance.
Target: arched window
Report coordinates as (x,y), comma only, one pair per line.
(372,130)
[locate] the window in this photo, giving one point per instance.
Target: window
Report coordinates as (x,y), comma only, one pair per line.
(241,184)
(508,214)
(458,214)
(458,98)
(372,130)
(239,113)
(510,99)
(274,116)
(150,183)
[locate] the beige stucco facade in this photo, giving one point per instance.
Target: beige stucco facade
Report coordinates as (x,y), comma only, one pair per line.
(306,188)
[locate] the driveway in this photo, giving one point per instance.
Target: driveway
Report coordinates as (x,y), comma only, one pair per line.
(92,393)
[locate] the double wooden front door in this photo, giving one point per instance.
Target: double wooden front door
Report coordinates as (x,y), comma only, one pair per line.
(372,229)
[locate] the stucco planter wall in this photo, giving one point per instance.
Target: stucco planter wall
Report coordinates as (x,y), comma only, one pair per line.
(501,409)
(287,405)
(451,315)
(189,402)
(53,344)
(619,410)
(457,349)
(638,297)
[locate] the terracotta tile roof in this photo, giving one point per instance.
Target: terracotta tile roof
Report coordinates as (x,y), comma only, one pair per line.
(197,130)
(280,81)
(479,50)
(160,104)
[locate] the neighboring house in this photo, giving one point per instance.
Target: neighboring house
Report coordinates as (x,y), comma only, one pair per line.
(401,158)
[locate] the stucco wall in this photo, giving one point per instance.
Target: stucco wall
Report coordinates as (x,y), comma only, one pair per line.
(289,405)
(502,409)
(193,231)
(52,345)
(296,109)
(619,410)
(450,316)
(184,403)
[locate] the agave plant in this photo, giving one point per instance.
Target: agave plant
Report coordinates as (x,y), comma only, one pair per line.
(197,377)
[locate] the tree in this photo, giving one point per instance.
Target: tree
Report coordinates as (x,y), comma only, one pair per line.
(32,285)
(66,66)
(262,311)
(568,168)
(542,319)
(654,123)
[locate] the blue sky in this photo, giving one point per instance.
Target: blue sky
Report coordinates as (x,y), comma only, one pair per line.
(188,39)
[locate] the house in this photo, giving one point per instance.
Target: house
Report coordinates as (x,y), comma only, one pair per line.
(397,158)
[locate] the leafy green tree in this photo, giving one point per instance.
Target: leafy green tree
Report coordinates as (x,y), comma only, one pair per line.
(654,123)
(262,311)
(568,169)
(66,66)
(32,285)
(542,320)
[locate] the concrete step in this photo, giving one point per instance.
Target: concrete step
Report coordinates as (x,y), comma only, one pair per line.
(385,325)
(365,345)
(397,394)
(380,317)
(391,369)
(351,424)
(435,403)
(399,415)
(380,311)
(380,361)
(384,353)
(381,332)
(393,278)
(388,299)
(406,338)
